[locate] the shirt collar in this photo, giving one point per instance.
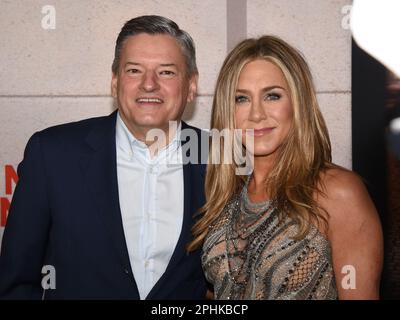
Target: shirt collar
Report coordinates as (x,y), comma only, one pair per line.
(126,141)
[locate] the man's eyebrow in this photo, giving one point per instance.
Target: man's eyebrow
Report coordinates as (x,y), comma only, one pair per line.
(162,65)
(132,63)
(168,65)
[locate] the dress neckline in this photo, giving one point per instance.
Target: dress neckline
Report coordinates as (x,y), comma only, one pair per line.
(251,205)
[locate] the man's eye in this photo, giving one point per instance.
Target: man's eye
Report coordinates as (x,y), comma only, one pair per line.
(241,99)
(132,70)
(272,96)
(167,73)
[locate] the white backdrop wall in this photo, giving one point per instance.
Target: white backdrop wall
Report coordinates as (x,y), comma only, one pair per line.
(56,55)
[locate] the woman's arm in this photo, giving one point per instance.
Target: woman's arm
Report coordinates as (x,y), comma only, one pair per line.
(355,235)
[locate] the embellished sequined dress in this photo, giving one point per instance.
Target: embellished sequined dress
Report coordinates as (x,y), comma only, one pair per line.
(250,254)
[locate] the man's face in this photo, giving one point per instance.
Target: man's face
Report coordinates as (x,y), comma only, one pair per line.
(152,85)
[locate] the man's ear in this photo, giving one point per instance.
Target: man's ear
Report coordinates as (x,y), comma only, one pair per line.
(114,85)
(192,87)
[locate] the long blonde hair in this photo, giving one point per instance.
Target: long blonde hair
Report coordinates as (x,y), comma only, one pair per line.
(300,160)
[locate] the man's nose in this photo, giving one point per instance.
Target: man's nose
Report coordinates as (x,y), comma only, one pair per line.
(150,81)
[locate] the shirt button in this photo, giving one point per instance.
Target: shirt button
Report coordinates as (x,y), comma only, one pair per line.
(153,169)
(146,264)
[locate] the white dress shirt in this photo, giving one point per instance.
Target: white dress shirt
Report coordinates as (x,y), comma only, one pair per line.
(151,201)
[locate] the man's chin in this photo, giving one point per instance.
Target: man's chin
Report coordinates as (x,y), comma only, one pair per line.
(151,123)
(148,125)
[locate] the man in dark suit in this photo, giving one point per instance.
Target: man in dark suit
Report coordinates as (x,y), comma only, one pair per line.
(100,210)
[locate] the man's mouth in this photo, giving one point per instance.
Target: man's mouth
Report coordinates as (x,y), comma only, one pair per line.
(149,100)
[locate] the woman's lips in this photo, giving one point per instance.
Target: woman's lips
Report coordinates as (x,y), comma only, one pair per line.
(259,132)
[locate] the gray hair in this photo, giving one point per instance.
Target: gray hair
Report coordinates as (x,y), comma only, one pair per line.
(156,25)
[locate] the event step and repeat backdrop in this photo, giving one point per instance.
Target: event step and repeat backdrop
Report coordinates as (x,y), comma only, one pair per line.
(56,55)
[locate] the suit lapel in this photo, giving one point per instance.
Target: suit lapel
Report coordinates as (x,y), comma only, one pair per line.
(100,175)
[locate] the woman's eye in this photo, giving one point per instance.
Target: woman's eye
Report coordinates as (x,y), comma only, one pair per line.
(240,99)
(272,96)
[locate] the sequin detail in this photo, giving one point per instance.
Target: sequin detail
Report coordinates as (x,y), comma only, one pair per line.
(249,253)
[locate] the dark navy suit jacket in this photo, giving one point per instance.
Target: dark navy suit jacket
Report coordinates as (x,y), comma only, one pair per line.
(65,213)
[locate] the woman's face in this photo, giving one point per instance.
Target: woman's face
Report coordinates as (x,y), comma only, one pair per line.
(263,104)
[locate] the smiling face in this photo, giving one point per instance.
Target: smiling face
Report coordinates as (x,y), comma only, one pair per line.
(152,85)
(263,104)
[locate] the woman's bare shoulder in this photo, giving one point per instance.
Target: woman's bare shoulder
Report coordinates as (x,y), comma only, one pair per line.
(340,184)
(345,198)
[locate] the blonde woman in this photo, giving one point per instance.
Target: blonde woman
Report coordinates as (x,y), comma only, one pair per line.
(299,226)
